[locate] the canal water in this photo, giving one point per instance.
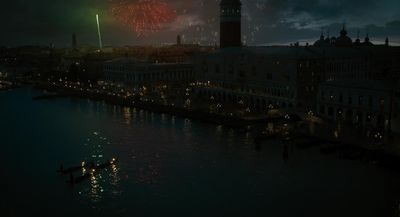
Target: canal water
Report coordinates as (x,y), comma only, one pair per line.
(169,166)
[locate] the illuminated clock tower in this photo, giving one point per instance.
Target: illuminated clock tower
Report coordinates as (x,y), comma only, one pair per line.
(230,26)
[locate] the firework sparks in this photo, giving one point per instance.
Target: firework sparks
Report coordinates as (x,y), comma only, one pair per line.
(143,16)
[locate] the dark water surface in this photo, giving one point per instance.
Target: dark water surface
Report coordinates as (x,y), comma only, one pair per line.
(169,166)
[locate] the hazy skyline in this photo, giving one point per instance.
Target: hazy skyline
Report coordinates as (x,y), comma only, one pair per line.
(43,22)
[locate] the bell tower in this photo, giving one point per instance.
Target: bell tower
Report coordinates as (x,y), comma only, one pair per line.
(230,23)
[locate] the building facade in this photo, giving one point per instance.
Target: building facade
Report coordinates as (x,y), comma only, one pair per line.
(261,77)
(368,103)
(134,73)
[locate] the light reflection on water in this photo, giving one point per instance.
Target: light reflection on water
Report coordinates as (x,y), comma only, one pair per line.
(231,137)
(187,131)
(96,189)
(163,118)
(171,167)
(173,120)
(103,182)
(248,140)
(127,115)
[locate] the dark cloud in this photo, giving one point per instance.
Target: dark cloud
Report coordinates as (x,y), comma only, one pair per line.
(265,21)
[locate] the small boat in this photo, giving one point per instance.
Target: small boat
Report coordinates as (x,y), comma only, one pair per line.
(69,170)
(92,171)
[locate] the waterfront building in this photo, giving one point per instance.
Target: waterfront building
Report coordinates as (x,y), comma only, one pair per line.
(261,77)
(288,77)
(83,65)
(131,72)
(27,60)
(364,103)
(395,118)
(361,63)
(360,86)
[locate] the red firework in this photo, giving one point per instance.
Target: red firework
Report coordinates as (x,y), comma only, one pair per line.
(143,16)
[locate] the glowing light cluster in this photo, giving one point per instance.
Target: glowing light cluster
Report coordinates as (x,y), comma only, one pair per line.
(143,16)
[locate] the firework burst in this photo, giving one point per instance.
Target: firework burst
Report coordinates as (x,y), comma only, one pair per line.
(143,16)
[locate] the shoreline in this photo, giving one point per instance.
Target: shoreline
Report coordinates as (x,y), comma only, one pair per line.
(327,146)
(195,114)
(8,87)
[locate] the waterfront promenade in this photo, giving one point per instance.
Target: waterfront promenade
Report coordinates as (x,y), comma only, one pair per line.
(345,141)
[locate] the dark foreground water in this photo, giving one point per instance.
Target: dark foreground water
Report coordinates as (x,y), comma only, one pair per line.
(169,166)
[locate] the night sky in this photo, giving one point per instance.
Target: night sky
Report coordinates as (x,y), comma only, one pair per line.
(41,22)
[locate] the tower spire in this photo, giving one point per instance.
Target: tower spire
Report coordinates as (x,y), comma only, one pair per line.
(343,32)
(230,23)
(367,37)
(322,37)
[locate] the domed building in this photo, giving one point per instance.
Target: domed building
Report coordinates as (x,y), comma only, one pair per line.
(357,42)
(367,41)
(343,40)
(323,42)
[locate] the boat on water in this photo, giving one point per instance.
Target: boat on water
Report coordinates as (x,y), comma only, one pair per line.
(72,169)
(89,170)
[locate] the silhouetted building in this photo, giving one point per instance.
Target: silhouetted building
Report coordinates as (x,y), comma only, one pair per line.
(344,40)
(287,78)
(74,42)
(395,116)
(230,26)
(321,42)
(357,42)
(179,40)
(361,63)
(367,41)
